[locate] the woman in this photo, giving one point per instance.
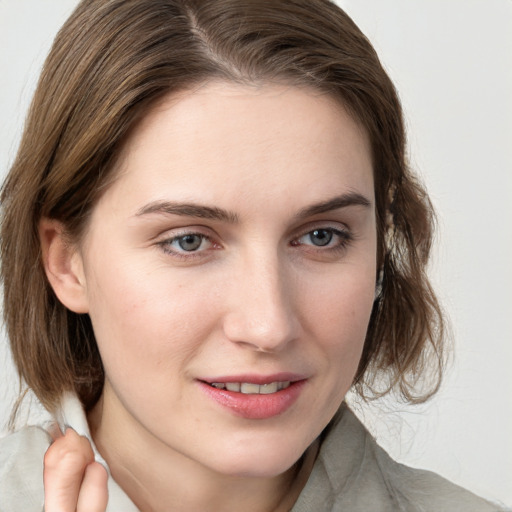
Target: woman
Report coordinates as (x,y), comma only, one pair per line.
(222,239)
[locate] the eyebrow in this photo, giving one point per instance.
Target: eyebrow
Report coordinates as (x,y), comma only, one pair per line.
(336,203)
(189,210)
(219,214)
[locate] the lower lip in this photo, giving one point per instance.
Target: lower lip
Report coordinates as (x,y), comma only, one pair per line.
(255,407)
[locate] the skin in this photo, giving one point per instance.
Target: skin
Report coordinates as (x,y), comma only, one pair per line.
(72,479)
(259,295)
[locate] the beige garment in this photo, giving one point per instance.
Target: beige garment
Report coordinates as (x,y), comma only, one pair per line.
(351,474)
(21,464)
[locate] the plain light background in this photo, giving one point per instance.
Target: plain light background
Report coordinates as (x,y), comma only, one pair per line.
(451,61)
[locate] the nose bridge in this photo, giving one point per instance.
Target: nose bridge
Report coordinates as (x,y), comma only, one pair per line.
(262,312)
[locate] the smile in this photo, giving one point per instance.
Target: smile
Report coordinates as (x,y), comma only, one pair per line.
(250,399)
(249,388)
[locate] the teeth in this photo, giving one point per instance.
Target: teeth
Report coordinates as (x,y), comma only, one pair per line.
(283,385)
(248,388)
(266,389)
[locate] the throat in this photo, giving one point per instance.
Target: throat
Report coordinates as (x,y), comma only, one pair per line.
(153,475)
(303,469)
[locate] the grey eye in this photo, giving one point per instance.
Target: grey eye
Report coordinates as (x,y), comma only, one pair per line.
(320,237)
(190,242)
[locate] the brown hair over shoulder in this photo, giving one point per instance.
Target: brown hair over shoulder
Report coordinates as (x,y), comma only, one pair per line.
(109,63)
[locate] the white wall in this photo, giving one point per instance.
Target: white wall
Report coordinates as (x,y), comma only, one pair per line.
(452,63)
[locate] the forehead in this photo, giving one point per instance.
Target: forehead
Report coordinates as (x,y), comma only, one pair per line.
(266,141)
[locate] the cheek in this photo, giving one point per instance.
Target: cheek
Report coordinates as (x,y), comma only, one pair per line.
(341,306)
(338,319)
(143,319)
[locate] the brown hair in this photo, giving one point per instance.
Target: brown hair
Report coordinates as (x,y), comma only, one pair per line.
(114,58)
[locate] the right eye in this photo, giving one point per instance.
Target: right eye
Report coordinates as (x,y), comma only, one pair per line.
(186,244)
(189,242)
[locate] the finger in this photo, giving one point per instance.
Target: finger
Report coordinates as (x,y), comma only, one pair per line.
(93,496)
(65,463)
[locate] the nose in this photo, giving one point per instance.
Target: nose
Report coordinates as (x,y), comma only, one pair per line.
(262,312)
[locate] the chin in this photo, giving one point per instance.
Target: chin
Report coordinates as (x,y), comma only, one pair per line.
(256,469)
(266,460)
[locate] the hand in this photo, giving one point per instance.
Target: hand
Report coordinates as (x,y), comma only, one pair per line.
(73,481)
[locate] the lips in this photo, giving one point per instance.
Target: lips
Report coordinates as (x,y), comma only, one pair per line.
(254,397)
(250,388)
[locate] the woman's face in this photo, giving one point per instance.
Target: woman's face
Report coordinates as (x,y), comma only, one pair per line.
(229,273)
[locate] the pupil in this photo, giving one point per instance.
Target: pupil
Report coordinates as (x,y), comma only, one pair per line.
(321,237)
(190,242)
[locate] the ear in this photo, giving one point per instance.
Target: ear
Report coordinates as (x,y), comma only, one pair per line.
(63,265)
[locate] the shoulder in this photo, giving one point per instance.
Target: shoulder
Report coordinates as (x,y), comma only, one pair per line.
(353,472)
(21,470)
(416,489)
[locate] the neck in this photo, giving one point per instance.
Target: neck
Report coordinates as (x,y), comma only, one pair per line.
(155,476)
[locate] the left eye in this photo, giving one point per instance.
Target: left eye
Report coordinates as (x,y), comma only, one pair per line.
(320,237)
(325,237)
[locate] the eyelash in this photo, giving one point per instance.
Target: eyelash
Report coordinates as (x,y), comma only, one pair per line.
(344,240)
(183,255)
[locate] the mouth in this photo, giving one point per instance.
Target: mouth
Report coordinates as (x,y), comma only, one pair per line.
(255,397)
(250,388)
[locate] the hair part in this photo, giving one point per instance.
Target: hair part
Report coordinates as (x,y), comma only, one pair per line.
(111,61)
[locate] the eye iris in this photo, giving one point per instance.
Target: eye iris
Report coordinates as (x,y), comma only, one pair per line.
(321,237)
(190,242)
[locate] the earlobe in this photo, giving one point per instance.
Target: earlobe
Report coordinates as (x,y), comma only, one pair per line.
(63,266)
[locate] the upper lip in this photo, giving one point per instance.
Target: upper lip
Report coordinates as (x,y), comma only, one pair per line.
(256,378)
